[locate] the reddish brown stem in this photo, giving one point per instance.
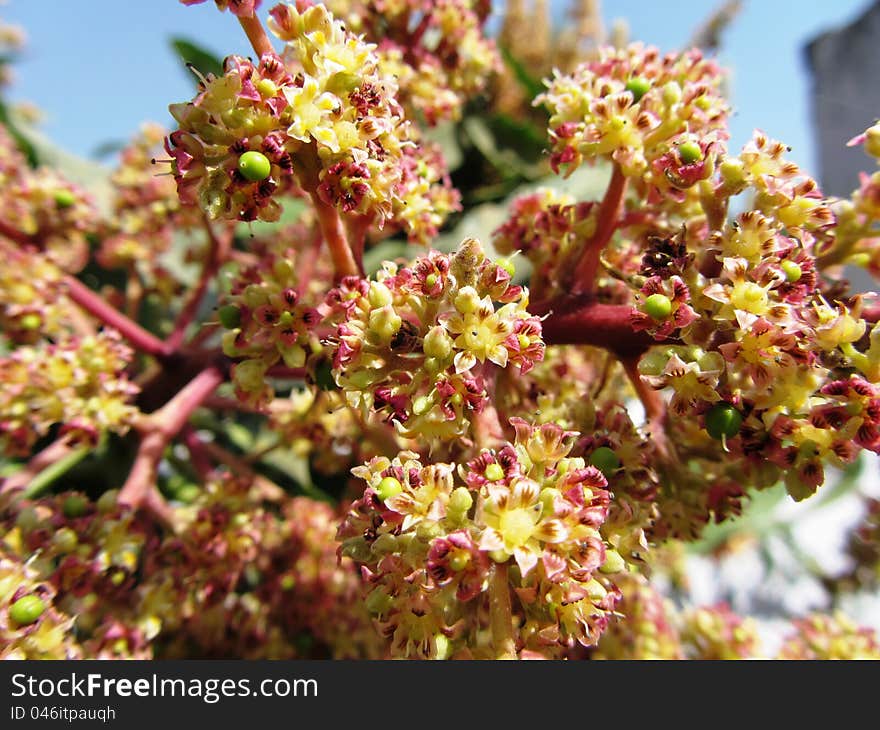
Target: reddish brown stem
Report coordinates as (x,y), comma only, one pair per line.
(267,488)
(218,250)
(13,234)
(95,305)
(159,429)
(580,320)
(337,242)
(501,614)
(488,431)
(199,458)
(655,407)
(609,212)
(282,371)
(356,228)
(256,34)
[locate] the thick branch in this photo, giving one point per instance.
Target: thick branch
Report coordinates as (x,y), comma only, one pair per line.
(160,428)
(95,305)
(580,320)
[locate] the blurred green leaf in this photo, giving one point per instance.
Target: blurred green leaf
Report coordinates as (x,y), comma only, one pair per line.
(21,141)
(531,85)
(192,54)
(108,148)
(523,136)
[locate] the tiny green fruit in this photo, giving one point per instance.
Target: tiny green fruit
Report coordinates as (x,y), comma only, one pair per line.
(791,270)
(254,166)
(507,265)
(187,493)
(388,487)
(30,322)
(64,198)
(638,87)
(75,506)
(689,152)
(230,316)
(494,472)
(723,421)
(605,460)
(658,306)
(27,609)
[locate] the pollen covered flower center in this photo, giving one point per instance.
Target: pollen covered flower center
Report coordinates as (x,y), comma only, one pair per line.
(517,525)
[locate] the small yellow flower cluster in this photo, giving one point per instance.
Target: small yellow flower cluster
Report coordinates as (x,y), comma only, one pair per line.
(417,342)
(31,626)
(438,51)
(55,214)
(32,302)
(658,117)
(830,637)
(526,522)
(146,208)
(77,382)
(267,322)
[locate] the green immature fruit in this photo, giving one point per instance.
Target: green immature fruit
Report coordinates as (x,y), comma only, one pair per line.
(494,472)
(792,271)
(388,488)
(75,506)
(723,421)
(605,460)
(254,166)
(638,87)
(230,316)
(27,609)
(64,198)
(689,152)
(658,306)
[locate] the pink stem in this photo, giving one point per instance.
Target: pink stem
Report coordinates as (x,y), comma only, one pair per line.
(334,234)
(160,428)
(256,34)
(609,213)
(92,302)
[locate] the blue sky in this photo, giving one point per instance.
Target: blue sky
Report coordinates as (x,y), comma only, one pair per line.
(98,68)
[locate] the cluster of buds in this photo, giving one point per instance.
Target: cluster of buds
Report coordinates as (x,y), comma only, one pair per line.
(146,209)
(82,578)
(512,538)
(31,626)
(323,117)
(438,51)
(32,300)
(658,117)
(649,627)
(53,214)
(547,227)
(267,322)
(822,637)
(419,343)
(78,382)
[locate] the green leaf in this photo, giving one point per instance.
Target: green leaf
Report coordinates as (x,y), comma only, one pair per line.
(192,54)
(530,84)
(22,142)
